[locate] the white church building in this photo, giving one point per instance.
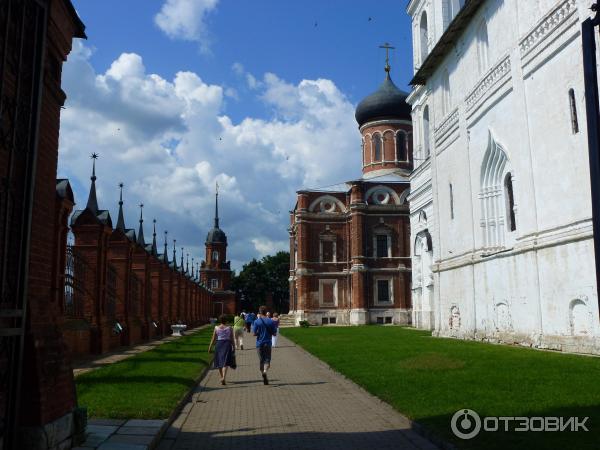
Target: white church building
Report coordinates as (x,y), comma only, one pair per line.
(500,207)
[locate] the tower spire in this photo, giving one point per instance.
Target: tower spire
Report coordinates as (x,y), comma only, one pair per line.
(192,267)
(217,204)
(121,219)
(387,47)
(165,256)
(174,254)
(187,263)
(140,236)
(181,260)
(92,203)
(154,249)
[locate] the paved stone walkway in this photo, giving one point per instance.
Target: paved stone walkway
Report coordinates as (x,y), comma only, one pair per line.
(96,361)
(305,406)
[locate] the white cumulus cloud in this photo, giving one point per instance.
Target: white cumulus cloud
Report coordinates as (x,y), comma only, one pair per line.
(170,141)
(186,20)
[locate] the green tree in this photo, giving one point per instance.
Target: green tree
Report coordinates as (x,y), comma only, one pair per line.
(259,278)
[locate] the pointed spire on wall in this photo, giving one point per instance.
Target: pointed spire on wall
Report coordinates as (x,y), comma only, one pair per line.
(165,256)
(192,267)
(92,203)
(198,270)
(181,266)
(121,218)
(174,254)
(217,205)
(154,249)
(140,236)
(187,263)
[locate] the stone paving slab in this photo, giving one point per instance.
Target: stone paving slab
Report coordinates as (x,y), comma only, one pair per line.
(306,406)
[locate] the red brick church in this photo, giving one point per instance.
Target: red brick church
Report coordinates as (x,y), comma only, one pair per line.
(349,246)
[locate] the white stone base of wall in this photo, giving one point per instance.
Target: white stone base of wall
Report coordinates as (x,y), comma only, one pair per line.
(423,320)
(393,316)
(569,344)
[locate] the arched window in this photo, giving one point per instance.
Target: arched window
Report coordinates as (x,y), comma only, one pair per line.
(509,198)
(377,147)
(482,47)
(426,149)
(423,37)
(215,255)
(451,202)
(573,108)
(401,150)
(493,176)
(445,93)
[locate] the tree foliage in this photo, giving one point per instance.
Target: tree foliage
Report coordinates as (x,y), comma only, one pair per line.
(258,278)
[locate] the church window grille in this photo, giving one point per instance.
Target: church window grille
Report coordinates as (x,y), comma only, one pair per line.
(423,37)
(327,251)
(401,150)
(383,291)
(573,108)
(382,245)
(451,202)
(214,283)
(445,93)
(510,203)
(377,144)
(482,47)
(426,150)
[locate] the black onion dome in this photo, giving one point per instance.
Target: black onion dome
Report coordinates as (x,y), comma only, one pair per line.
(216,236)
(387,102)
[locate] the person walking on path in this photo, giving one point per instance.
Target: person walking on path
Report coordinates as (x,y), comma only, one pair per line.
(276,323)
(250,318)
(238,331)
(264,329)
(224,356)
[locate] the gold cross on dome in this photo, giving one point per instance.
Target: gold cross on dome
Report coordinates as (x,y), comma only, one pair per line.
(387,47)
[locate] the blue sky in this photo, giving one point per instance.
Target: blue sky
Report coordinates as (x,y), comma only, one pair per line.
(176,95)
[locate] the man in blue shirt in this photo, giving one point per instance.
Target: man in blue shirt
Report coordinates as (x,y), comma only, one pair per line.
(264,328)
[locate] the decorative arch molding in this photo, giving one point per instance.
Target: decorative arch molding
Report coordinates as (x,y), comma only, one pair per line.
(494,167)
(580,317)
(404,196)
(327,204)
(423,236)
(382,195)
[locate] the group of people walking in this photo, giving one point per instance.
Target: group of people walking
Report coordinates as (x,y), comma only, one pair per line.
(227,339)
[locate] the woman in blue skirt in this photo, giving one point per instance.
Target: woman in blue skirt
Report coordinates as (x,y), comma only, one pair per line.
(223,335)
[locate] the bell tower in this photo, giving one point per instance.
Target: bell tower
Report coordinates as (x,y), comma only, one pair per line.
(215,269)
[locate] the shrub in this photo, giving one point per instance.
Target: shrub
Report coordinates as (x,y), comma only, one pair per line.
(304,323)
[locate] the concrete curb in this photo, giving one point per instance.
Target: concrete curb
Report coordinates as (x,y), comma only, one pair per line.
(415,426)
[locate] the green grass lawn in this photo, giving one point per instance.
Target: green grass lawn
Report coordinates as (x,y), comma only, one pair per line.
(148,385)
(428,379)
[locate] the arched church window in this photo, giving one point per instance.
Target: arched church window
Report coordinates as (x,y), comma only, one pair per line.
(377,147)
(495,196)
(423,37)
(451,202)
(482,47)
(401,150)
(573,108)
(445,93)
(510,203)
(215,255)
(426,149)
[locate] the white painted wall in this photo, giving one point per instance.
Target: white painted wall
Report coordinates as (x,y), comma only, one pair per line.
(539,287)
